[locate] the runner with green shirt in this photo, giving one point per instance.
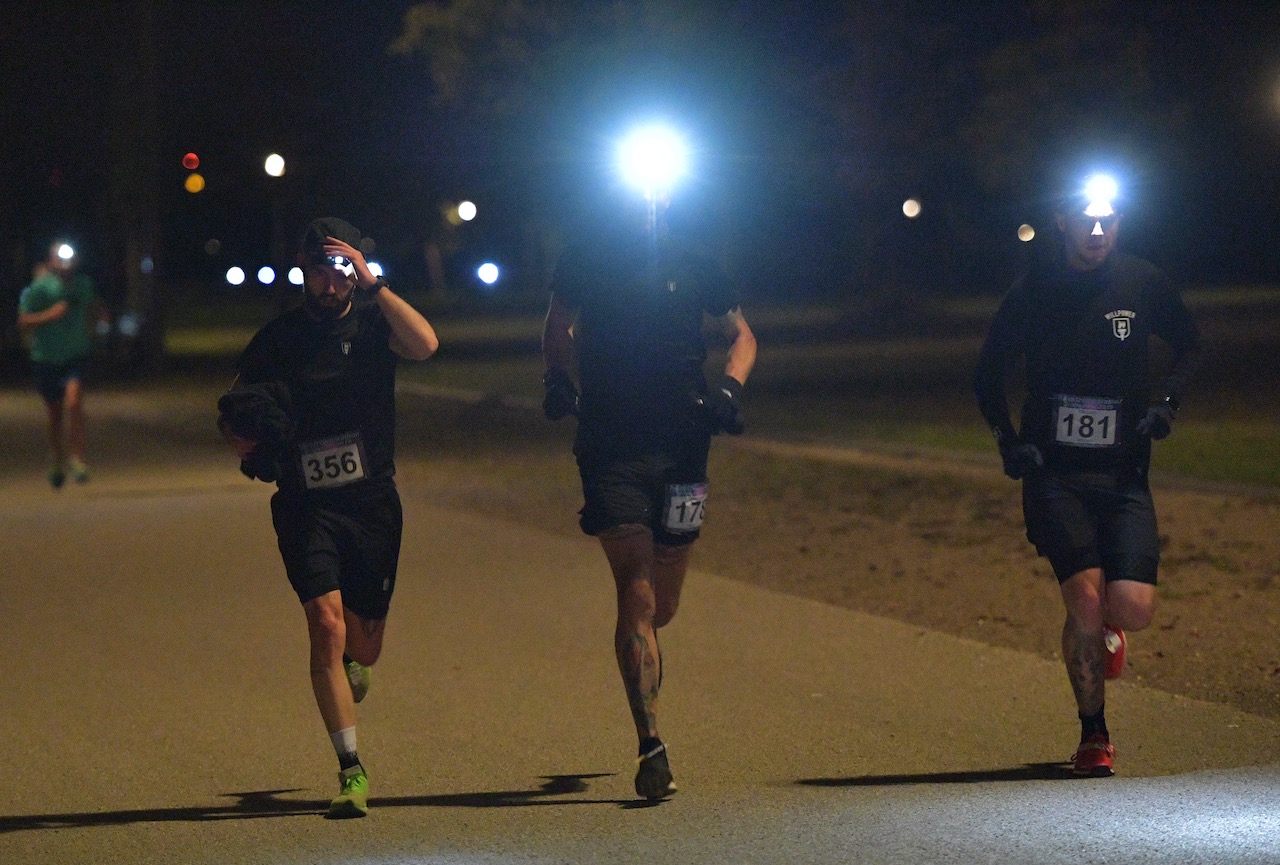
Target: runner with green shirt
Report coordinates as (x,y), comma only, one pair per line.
(54,314)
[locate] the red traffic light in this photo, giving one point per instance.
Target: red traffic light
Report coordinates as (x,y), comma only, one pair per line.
(191,161)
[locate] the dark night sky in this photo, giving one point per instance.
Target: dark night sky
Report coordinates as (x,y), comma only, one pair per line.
(314,82)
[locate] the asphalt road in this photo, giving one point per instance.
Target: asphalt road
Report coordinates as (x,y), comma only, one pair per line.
(158,708)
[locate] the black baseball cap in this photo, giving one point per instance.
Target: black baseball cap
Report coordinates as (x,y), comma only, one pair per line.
(325,227)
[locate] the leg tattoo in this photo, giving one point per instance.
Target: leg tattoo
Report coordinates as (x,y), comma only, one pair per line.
(640,674)
(1083,654)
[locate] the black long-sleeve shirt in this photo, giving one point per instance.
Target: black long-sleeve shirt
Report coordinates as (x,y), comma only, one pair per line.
(1084,335)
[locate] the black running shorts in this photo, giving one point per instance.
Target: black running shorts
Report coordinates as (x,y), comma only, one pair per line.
(645,490)
(348,541)
(52,378)
(1083,521)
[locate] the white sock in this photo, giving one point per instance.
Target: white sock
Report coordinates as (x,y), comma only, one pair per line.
(344,742)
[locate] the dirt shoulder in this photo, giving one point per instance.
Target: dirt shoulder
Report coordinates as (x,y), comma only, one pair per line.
(932,542)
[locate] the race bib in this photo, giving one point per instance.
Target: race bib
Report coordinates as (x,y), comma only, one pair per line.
(333,462)
(686,506)
(1085,422)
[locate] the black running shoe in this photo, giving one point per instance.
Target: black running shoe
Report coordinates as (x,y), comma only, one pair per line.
(653,775)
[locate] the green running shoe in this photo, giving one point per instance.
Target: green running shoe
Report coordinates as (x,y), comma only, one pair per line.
(79,471)
(358,675)
(353,801)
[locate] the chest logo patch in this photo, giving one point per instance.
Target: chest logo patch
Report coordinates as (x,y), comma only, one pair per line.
(1122,322)
(346,347)
(671,285)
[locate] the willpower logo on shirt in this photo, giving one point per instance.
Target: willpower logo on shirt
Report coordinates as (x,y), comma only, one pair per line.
(1122,322)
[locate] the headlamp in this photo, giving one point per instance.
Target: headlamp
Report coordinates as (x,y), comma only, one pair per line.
(340,263)
(1100,192)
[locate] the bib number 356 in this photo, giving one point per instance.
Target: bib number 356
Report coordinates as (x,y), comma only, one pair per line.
(332,462)
(686,506)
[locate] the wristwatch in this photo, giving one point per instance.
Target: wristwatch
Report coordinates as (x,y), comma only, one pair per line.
(378,285)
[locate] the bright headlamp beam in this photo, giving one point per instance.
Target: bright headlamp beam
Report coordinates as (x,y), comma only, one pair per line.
(1100,191)
(652,159)
(65,252)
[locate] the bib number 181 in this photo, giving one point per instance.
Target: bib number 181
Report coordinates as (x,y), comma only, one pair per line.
(1086,423)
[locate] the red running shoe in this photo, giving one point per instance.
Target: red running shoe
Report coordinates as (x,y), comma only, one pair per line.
(1095,758)
(1113,639)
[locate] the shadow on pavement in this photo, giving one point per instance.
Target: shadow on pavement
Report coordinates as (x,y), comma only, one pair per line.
(256,804)
(1025,772)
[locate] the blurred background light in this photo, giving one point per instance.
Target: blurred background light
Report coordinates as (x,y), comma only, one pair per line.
(235,276)
(212,246)
(911,208)
(191,161)
(128,324)
(466,211)
(194,182)
(1026,233)
(375,268)
(147,264)
(488,273)
(274,165)
(266,275)
(295,275)
(66,252)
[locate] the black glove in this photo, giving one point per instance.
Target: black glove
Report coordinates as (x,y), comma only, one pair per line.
(1159,421)
(1020,459)
(562,397)
(261,465)
(724,406)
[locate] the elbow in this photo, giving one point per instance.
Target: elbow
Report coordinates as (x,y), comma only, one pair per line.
(428,347)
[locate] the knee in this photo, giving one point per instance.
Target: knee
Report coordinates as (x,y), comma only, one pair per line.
(1085,611)
(665,611)
(365,650)
(328,631)
(1132,614)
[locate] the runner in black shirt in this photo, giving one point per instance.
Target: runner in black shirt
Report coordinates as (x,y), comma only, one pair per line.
(629,309)
(1083,448)
(313,409)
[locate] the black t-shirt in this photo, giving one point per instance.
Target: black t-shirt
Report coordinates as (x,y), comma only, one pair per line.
(639,340)
(1085,335)
(340,376)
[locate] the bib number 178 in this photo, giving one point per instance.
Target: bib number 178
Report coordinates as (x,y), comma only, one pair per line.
(686,506)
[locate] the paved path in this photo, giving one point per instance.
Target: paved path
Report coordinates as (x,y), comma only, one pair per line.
(157,710)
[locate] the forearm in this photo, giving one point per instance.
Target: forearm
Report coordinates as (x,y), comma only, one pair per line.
(557,338)
(413,336)
(27,320)
(993,403)
(741,357)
